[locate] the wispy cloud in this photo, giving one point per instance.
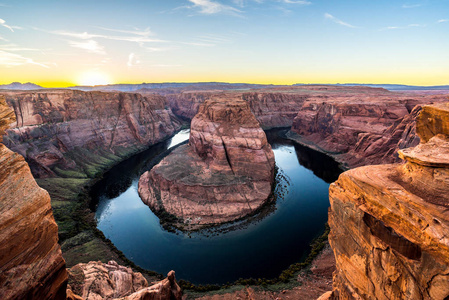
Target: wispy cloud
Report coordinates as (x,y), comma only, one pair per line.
(411,5)
(89,45)
(135,37)
(12,60)
(403,27)
(302,2)
(212,7)
(132,60)
(146,32)
(443,21)
(14,47)
(338,21)
(3,23)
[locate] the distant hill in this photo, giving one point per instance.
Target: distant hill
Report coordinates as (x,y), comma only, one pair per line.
(20,86)
(172,85)
(394,87)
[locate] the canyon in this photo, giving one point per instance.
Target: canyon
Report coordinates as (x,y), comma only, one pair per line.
(388,222)
(225,172)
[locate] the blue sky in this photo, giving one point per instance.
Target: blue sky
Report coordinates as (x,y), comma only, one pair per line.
(260,41)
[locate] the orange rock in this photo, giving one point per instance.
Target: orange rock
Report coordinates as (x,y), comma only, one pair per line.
(389,223)
(63,123)
(31,263)
(225,172)
(96,280)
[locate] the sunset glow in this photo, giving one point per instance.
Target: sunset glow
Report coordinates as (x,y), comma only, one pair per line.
(92,78)
(270,41)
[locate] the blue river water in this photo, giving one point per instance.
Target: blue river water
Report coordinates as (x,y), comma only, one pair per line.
(259,247)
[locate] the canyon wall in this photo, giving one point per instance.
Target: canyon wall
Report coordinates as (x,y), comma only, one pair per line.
(356,125)
(389,223)
(31,263)
(360,131)
(61,130)
(225,173)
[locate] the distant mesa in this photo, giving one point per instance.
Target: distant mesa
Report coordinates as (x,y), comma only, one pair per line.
(225,172)
(20,86)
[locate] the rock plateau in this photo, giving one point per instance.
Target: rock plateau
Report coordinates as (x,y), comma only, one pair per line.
(390,223)
(224,173)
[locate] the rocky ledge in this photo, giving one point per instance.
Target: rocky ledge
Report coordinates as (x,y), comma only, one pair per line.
(390,223)
(225,172)
(97,280)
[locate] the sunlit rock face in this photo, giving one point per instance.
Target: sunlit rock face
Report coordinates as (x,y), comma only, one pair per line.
(389,223)
(31,263)
(225,172)
(60,130)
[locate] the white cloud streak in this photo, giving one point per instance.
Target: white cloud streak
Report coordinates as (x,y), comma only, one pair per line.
(411,5)
(3,23)
(443,21)
(89,45)
(338,21)
(403,27)
(302,2)
(12,60)
(212,7)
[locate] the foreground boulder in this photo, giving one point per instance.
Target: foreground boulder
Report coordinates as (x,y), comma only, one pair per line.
(389,223)
(96,280)
(225,173)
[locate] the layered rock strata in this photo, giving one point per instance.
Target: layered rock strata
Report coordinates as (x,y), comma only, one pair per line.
(55,130)
(389,223)
(97,280)
(31,263)
(225,173)
(361,131)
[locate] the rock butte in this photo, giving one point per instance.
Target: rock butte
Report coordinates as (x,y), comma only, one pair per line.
(389,223)
(225,172)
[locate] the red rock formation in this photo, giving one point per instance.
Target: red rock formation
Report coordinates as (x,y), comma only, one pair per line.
(389,223)
(96,280)
(225,172)
(359,130)
(53,127)
(31,263)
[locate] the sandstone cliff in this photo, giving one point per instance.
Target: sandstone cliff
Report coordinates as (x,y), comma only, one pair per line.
(225,173)
(389,223)
(362,130)
(97,280)
(31,263)
(56,130)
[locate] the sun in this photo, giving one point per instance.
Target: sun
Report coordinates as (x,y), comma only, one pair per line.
(94,78)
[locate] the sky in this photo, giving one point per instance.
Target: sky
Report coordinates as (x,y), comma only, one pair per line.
(63,43)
